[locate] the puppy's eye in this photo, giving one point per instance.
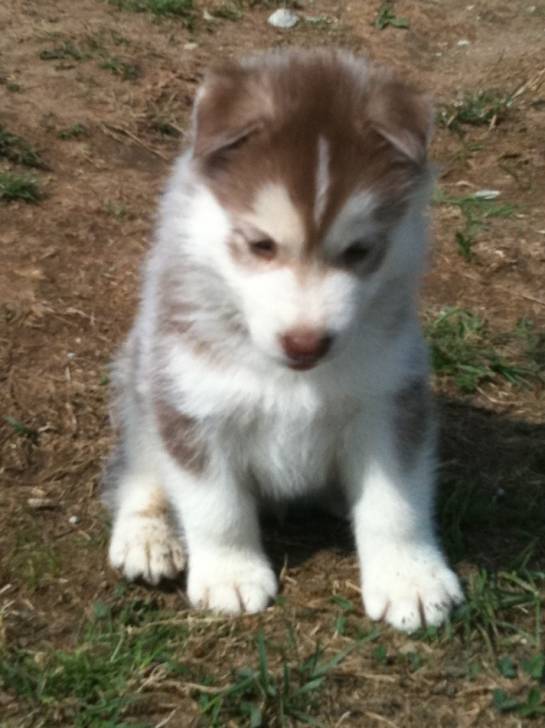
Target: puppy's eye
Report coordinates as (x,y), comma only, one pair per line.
(355,253)
(265,248)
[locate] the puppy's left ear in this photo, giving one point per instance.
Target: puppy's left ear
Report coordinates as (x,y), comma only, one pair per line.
(403,116)
(231,105)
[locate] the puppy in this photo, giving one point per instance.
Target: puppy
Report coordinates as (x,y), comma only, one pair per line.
(277,348)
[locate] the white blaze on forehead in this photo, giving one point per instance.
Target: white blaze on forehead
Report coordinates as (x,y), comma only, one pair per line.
(322,180)
(275,214)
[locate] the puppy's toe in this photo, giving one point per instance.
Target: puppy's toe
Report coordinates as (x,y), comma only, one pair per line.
(146,547)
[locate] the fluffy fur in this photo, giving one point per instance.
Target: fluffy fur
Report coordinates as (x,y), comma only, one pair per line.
(277,350)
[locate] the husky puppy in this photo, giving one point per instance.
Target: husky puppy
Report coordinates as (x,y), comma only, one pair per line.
(277,349)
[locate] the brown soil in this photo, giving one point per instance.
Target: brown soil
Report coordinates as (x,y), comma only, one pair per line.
(69,281)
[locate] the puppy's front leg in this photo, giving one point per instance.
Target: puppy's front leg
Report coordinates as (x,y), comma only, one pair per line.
(390,476)
(228,571)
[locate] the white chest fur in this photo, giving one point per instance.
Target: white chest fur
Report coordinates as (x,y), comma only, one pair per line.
(290,452)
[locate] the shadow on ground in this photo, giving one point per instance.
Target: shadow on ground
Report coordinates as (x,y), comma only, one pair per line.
(491,497)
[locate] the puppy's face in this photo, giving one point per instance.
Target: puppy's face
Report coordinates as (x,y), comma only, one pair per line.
(313,162)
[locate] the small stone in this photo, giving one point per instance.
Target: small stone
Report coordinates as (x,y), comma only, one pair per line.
(487,194)
(74,520)
(190,46)
(463,43)
(40,504)
(283,18)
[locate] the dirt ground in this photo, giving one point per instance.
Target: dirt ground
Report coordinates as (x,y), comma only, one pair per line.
(103,94)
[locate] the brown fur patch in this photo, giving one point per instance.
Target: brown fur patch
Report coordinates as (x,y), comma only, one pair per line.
(413,420)
(181,437)
(375,127)
(175,307)
(179,315)
(157,506)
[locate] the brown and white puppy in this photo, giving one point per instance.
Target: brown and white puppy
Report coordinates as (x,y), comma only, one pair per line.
(277,345)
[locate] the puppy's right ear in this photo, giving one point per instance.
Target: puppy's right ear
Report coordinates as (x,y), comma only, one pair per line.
(231,105)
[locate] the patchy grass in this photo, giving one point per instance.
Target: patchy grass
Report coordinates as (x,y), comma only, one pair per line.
(477,213)
(66,51)
(491,608)
(499,629)
(98,42)
(479,108)
(532,341)
(18,151)
(10,86)
(260,697)
(386,17)
(284,677)
(125,70)
(121,646)
(21,429)
(75,131)
(177,8)
(503,613)
(95,46)
(227,11)
(18,187)
(116,209)
(463,349)
(93,683)
(531,707)
(37,564)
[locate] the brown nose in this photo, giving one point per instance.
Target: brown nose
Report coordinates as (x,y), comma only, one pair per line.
(305,346)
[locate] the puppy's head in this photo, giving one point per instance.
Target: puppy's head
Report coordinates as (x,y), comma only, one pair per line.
(312,164)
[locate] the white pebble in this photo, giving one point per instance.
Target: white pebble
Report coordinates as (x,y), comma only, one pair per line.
(283,18)
(40,504)
(74,520)
(463,43)
(487,194)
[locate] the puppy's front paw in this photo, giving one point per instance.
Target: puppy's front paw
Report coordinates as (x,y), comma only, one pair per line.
(410,586)
(146,547)
(231,582)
